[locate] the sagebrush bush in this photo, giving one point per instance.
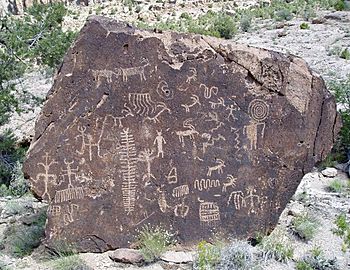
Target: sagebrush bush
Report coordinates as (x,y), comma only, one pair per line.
(153,242)
(208,256)
(343,230)
(336,186)
(276,246)
(73,262)
(315,260)
(237,256)
(305,226)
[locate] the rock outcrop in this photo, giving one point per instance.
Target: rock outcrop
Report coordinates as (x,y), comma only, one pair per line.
(199,135)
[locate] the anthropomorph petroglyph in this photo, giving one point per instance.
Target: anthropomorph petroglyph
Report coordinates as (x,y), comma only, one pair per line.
(46,177)
(70,172)
(189,132)
(147,157)
(195,101)
(252,199)
(87,143)
(231,109)
(159,141)
(218,168)
(128,160)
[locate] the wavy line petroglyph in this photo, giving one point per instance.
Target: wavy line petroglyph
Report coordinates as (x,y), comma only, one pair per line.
(214,117)
(142,103)
(128,160)
(46,177)
(211,140)
(206,184)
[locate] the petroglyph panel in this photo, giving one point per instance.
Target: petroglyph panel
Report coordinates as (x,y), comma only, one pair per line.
(176,134)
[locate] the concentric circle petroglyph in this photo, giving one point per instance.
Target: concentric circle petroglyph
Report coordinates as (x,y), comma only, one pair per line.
(258,110)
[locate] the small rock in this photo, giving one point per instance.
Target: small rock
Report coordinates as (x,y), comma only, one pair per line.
(318,21)
(330,172)
(127,255)
(295,209)
(280,25)
(177,257)
(282,33)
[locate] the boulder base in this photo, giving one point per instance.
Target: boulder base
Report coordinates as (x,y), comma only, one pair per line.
(198,135)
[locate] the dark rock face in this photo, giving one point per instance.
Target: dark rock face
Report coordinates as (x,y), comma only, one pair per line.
(199,135)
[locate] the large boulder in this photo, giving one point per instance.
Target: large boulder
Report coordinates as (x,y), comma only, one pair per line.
(199,135)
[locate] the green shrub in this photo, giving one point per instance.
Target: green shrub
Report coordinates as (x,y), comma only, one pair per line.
(14,208)
(153,242)
(341,5)
(276,246)
(336,186)
(22,239)
(283,15)
(341,90)
(245,23)
(305,226)
(304,26)
(238,255)
(343,230)
(345,54)
(73,262)
(208,256)
(10,154)
(185,16)
(315,260)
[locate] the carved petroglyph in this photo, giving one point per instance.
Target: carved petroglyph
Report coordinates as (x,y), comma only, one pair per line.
(159,141)
(258,111)
(72,210)
(54,210)
(140,70)
(230,183)
(142,103)
(206,184)
(75,193)
(172,175)
(87,142)
(218,168)
(238,199)
(70,172)
(190,132)
(252,199)
(145,217)
(128,160)
(163,107)
(211,140)
(209,213)
(231,109)
(181,210)
(195,101)
(214,117)
(46,177)
(195,152)
(241,200)
(208,91)
(192,76)
(146,156)
(162,202)
(103,73)
(164,91)
(220,102)
(181,191)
